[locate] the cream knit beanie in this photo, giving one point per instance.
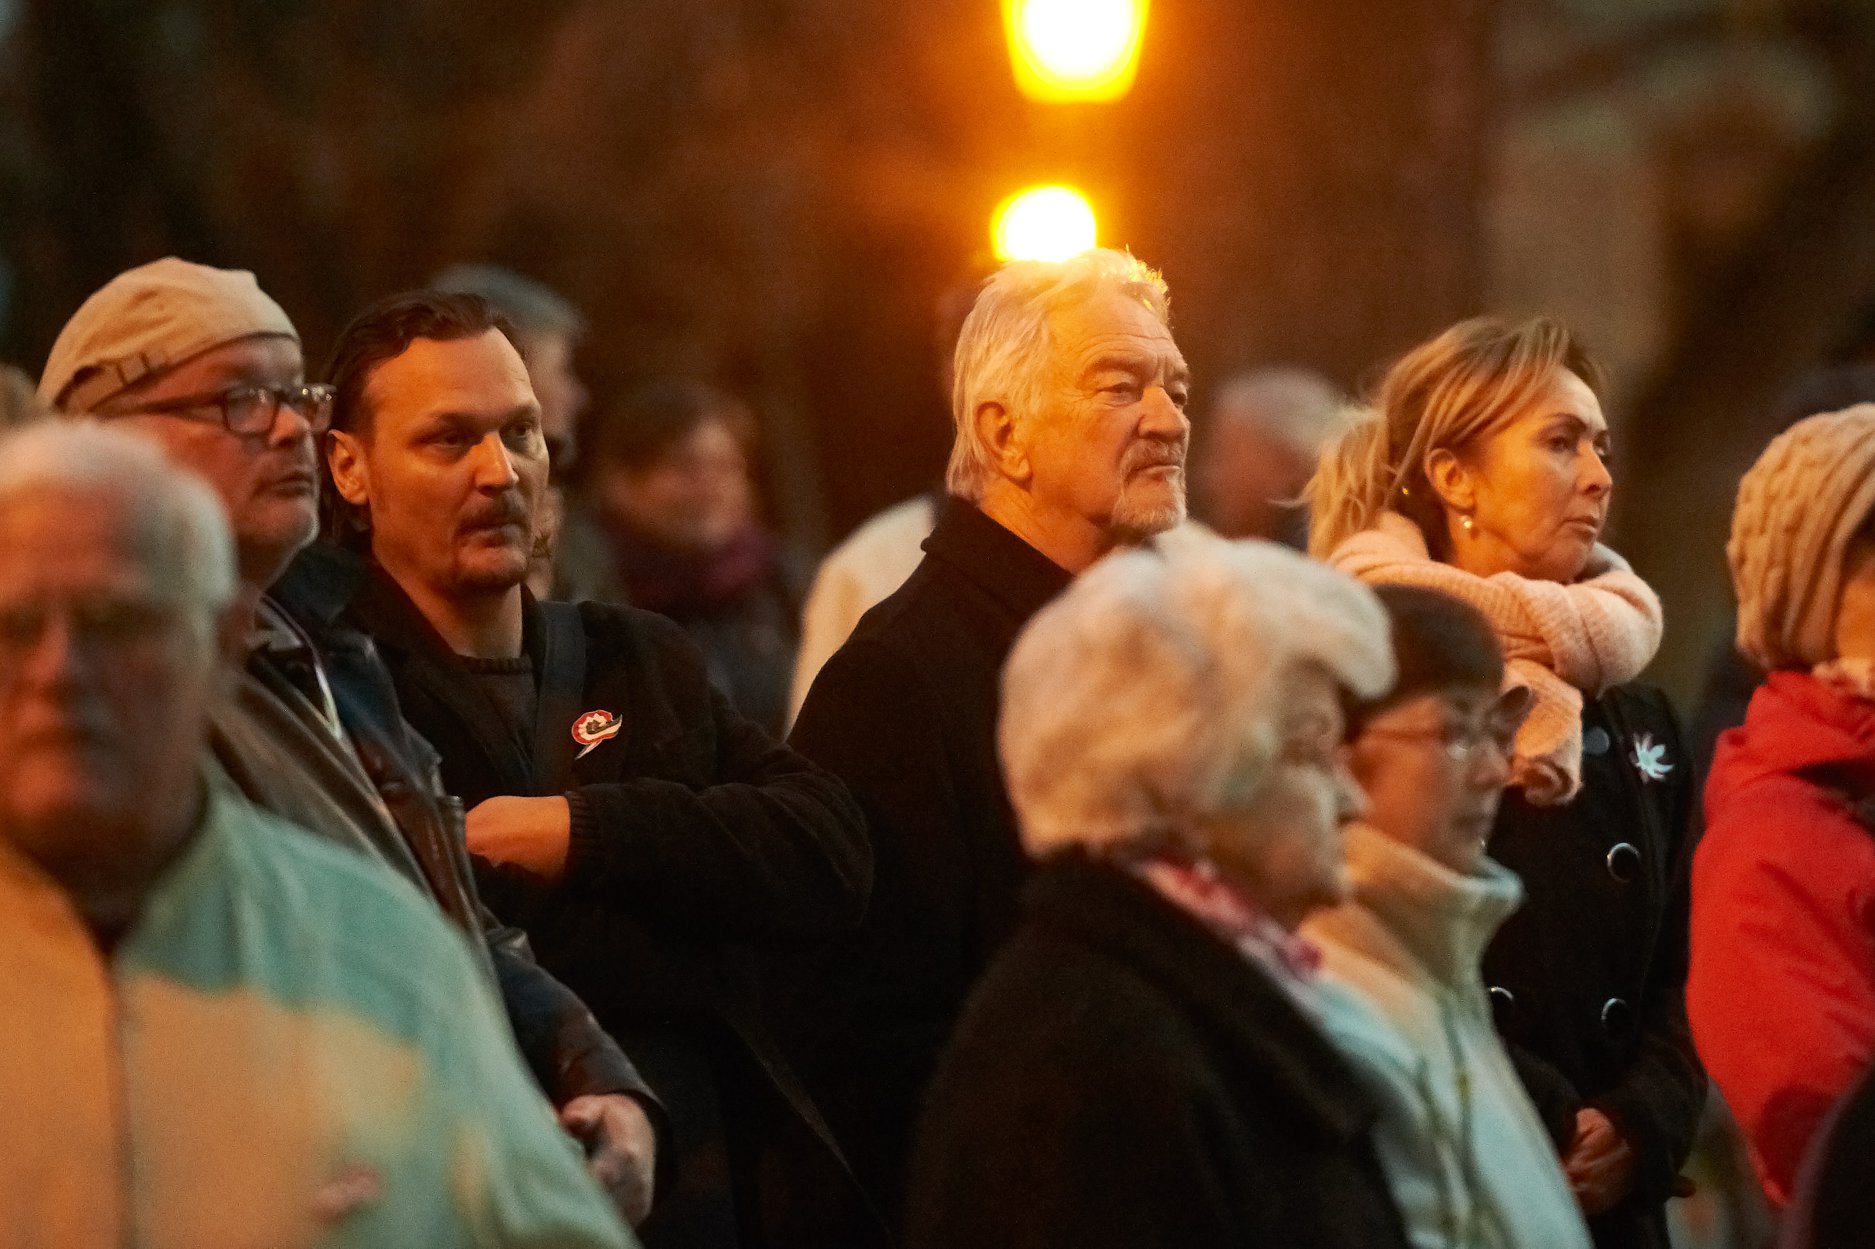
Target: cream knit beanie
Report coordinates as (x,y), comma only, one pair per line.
(1797,509)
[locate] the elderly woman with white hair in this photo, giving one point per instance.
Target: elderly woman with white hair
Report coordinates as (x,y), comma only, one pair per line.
(1142,1065)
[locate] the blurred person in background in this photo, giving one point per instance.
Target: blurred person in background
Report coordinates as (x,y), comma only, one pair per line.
(671,492)
(652,841)
(856,576)
(1070,444)
(1143,1065)
(1468,1160)
(205,364)
(18,402)
(1782,991)
(1832,1203)
(547,330)
(218,1031)
(1482,473)
(1256,449)
(875,558)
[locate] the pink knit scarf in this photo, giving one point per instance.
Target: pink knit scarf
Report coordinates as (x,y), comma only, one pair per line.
(1559,640)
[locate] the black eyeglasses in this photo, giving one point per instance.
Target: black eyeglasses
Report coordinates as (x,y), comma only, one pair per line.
(248,409)
(1495,731)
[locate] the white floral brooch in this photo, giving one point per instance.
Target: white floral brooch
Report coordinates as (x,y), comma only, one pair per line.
(1650,758)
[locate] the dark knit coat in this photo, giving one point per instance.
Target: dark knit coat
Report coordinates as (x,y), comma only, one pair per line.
(696,839)
(1124,1078)
(905,714)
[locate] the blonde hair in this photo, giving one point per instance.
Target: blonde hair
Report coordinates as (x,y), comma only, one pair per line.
(1003,348)
(1445,394)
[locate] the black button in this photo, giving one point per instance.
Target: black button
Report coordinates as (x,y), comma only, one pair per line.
(1617,1019)
(1503,1007)
(1595,740)
(1624,862)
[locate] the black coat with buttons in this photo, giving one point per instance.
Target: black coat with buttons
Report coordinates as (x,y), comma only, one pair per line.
(1588,978)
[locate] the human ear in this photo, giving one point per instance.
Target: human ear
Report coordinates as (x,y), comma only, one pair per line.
(351,474)
(998,429)
(1452,480)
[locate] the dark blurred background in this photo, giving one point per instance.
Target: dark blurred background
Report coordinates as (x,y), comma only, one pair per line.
(773,194)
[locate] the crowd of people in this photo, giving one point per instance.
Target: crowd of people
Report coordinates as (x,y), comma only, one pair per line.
(405,840)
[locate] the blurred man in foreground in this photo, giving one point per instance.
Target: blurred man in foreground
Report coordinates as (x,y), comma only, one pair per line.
(218,1031)
(205,364)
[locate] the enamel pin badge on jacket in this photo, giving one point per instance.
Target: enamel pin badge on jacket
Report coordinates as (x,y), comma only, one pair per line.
(593,728)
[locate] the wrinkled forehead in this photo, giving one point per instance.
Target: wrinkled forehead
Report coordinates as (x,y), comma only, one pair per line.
(70,540)
(1109,315)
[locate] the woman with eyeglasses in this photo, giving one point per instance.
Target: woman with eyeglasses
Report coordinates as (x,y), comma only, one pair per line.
(1468,1161)
(1482,473)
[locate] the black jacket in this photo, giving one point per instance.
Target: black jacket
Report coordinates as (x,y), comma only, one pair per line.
(693,833)
(905,714)
(1588,978)
(1122,1077)
(273,746)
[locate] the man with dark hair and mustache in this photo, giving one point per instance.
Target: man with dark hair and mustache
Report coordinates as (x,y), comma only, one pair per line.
(643,833)
(1068,396)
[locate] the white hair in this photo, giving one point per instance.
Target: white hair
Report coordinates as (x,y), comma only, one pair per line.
(183,518)
(1151,692)
(1003,348)
(1298,408)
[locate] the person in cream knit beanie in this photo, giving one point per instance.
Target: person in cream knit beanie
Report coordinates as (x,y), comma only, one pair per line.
(1780,992)
(1798,507)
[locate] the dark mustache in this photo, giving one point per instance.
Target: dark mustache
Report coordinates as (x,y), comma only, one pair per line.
(505,509)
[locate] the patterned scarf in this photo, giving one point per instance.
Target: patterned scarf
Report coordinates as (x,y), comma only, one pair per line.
(1559,641)
(1197,889)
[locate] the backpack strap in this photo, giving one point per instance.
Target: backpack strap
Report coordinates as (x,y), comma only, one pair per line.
(562,685)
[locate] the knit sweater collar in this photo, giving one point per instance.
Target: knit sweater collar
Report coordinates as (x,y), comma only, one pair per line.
(1414,914)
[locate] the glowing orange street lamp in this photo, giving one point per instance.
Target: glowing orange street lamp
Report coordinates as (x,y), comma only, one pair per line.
(1074,50)
(1043,223)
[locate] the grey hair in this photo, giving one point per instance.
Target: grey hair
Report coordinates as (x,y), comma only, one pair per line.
(1297,407)
(1003,349)
(1151,693)
(19,403)
(533,308)
(182,517)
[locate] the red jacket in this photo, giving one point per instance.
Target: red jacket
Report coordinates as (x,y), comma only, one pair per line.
(1782,988)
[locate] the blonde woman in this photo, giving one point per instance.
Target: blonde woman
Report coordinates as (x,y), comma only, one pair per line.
(1482,472)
